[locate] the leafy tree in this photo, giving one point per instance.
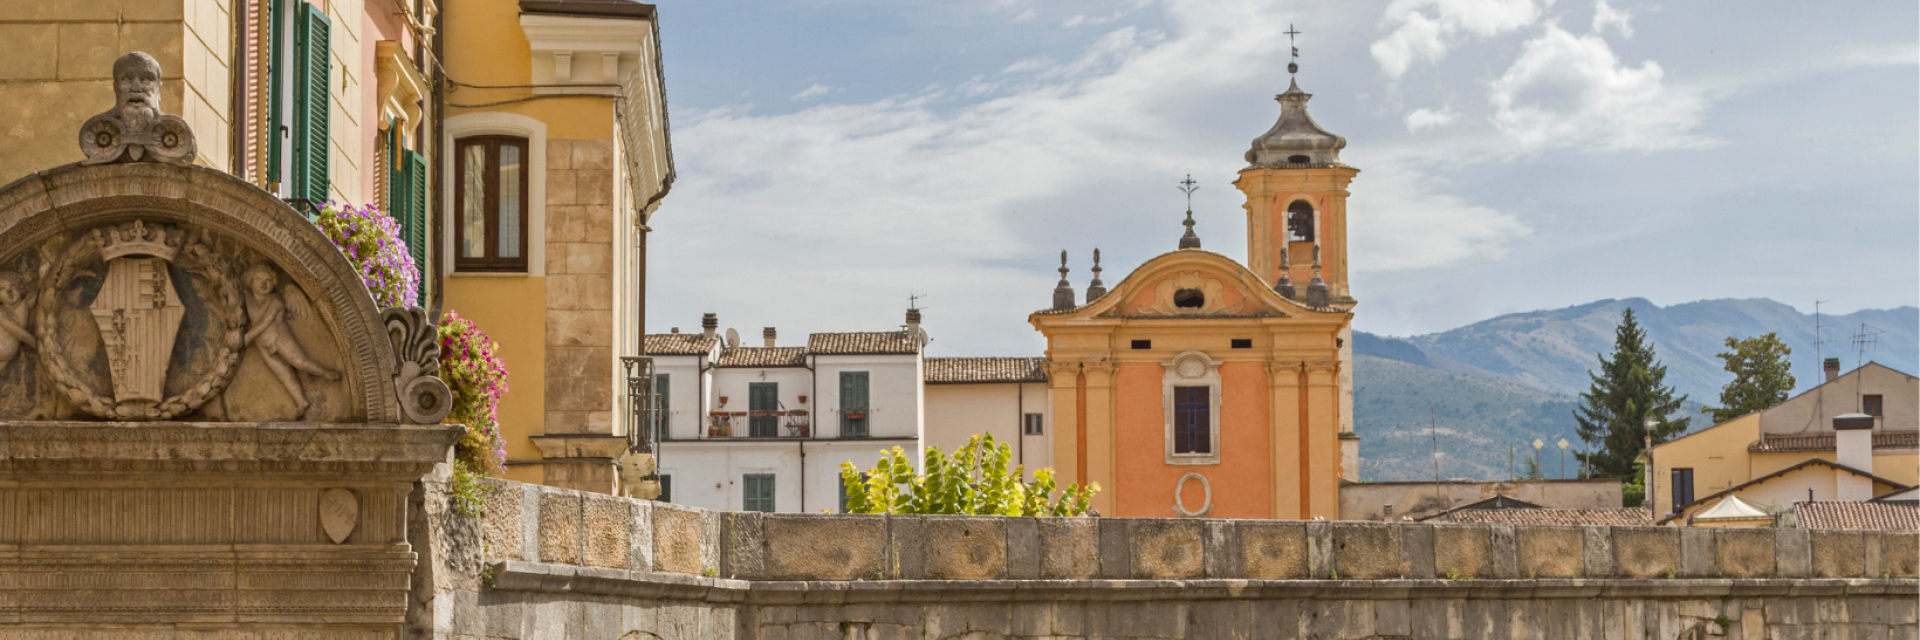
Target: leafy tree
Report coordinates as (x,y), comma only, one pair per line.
(1761,377)
(974,481)
(1633,492)
(1627,393)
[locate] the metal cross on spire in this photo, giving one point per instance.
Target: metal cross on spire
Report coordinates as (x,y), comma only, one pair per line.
(1189,240)
(1188,186)
(1293,64)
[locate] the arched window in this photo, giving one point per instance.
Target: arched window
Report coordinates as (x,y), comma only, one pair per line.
(1300,222)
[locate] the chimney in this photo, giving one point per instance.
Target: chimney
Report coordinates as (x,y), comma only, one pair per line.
(769,334)
(708,324)
(913,319)
(1853,447)
(1832,366)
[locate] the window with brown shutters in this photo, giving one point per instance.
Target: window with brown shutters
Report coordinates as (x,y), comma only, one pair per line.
(490,204)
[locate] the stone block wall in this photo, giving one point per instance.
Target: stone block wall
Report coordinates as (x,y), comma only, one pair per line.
(753,575)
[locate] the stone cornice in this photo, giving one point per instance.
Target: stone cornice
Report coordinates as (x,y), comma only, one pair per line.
(31,448)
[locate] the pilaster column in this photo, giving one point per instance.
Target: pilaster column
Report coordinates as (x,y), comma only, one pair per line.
(1101,445)
(1323,430)
(1064,405)
(1286,389)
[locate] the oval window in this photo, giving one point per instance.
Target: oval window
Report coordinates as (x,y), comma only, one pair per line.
(1189,299)
(1299,159)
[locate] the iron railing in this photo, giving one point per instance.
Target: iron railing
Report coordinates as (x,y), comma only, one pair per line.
(643,400)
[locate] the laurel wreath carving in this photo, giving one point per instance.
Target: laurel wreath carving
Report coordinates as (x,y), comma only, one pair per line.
(197,258)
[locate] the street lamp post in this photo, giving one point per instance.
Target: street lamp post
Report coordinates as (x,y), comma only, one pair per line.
(1536,452)
(1563,458)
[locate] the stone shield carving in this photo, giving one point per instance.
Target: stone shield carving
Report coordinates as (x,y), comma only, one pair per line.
(339,514)
(137,311)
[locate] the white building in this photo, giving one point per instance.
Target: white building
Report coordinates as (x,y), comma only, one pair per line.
(766,428)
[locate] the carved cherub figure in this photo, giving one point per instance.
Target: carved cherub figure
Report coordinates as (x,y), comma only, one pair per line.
(15,306)
(268,310)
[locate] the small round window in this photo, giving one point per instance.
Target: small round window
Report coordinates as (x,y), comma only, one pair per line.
(1189,299)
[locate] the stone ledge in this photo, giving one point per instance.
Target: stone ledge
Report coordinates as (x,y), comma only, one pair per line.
(555,578)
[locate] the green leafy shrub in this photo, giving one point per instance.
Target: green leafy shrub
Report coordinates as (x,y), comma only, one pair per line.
(975,480)
(471,366)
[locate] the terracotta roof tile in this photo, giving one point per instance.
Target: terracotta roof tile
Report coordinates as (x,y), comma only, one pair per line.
(978,370)
(1616,517)
(862,343)
(762,357)
(1870,516)
(680,344)
(1824,442)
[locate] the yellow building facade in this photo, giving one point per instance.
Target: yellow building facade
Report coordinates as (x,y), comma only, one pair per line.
(1793,452)
(1203,387)
(556,139)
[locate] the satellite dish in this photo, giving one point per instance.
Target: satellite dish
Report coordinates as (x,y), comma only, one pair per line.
(733,338)
(920,335)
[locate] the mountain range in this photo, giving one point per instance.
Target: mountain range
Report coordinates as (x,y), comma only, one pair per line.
(1509,380)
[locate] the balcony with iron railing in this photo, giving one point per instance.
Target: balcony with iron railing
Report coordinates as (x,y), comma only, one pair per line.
(779,423)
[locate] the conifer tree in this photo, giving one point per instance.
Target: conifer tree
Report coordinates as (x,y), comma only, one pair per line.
(1629,390)
(1761,377)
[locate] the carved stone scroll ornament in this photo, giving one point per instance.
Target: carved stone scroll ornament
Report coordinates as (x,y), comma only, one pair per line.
(138,314)
(135,130)
(424,397)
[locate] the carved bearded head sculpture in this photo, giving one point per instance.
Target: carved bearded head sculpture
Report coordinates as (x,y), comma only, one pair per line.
(136,89)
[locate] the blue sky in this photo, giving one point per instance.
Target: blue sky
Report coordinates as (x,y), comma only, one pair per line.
(835,155)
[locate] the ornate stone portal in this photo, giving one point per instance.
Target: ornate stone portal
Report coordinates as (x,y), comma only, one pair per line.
(204,419)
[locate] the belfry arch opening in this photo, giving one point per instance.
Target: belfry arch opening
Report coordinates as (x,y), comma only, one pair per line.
(1300,221)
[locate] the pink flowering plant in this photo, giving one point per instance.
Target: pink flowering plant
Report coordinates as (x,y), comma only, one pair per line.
(471,366)
(371,241)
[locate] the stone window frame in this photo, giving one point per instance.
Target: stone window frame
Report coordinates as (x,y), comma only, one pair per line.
(1181,372)
(492,123)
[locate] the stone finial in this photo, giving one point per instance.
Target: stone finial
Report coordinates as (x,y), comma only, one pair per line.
(1284,286)
(135,130)
(1063,292)
(1316,288)
(1096,289)
(1189,240)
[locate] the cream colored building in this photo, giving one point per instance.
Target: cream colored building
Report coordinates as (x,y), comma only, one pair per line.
(556,156)
(1006,397)
(1792,452)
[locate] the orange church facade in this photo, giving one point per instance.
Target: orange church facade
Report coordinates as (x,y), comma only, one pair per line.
(1202,387)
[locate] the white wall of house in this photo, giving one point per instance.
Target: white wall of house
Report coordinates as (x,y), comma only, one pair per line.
(732,383)
(710,474)
(956,412)
(893,393)
(686,406)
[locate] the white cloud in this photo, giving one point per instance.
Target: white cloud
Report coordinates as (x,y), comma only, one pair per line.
(1604,15)
(832,213)
(814,91)
(1073,21)
(1568,91)
(1424,118)
(1024,16)
(1425,29)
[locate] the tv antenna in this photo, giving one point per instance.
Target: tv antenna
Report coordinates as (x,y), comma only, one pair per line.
(1864,340)
(913,299)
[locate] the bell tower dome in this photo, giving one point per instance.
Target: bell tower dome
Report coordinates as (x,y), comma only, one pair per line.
(1297,203)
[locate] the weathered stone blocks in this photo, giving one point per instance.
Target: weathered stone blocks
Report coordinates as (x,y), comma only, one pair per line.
(1166,549)
(1899,554)
(845,547)
(1646,552)
(1366,551)
(685,539)
(559,526)
(607,527)
(1743,552)
(1838,554)
(1069,548)
(1462,551)
(1792,553)
(1273,550)
(506,518)
(743,545)
(964,547)
(1550,552)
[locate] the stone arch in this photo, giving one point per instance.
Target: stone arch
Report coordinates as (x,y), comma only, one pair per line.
(71,200)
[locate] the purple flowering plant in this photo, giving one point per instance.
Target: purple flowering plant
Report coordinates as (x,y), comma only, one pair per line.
(371,241)
(471,366)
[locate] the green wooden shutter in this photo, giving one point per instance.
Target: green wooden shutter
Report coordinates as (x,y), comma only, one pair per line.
(757,492)
(853,397)
(662,390)
(275,57)
(410,209)
(311,77)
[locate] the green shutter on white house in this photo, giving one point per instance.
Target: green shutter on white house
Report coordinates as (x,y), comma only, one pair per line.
(276,56)
(756,492)
(410,210)
(312,75)
(853,402)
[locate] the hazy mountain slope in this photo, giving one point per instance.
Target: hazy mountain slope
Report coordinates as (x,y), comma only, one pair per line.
(1553,349)
(1477,421)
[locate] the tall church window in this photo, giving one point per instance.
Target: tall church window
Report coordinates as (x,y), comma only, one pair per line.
(1191,395)
(1300,222)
